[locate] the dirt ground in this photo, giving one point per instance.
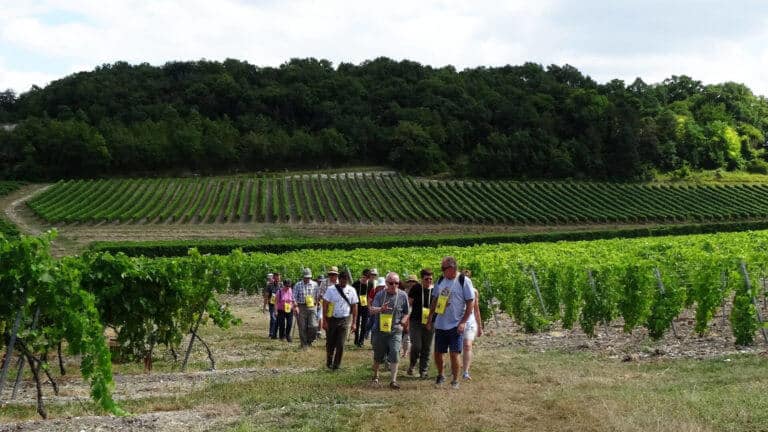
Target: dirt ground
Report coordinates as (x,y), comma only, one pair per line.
(230,349)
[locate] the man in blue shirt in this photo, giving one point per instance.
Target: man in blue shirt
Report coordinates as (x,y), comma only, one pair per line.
(452,303)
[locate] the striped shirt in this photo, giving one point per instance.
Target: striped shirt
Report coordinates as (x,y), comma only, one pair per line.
(300,291)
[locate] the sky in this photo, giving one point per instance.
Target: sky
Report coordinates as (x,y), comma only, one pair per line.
(711,41)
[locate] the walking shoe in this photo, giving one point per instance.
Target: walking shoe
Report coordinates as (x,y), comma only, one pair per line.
(455,385)
(375,380)
(410,371)
(423,375)
(394,385)
(440,380)
(466,376)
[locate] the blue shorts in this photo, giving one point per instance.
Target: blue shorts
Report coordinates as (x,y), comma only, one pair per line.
(448,339)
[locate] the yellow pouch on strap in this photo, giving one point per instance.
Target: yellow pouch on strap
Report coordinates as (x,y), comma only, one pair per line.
(385,323)
(310,301)
(329,314)
(442,302)
(363,300)
(424,315)
(272,299)
(287,307)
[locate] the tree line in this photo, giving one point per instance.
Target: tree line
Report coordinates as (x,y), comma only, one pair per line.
(524,122)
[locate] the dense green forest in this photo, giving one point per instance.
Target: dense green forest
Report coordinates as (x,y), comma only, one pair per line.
(520,122)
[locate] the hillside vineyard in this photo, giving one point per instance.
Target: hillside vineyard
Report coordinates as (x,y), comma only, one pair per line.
(384,198)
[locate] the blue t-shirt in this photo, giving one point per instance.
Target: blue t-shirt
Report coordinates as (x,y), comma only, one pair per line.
(457,301)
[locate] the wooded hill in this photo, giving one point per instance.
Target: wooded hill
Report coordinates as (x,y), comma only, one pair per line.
(518,122)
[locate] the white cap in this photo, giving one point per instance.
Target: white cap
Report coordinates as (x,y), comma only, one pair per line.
(381,282)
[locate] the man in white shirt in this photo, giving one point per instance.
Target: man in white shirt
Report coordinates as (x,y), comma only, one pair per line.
(340,311)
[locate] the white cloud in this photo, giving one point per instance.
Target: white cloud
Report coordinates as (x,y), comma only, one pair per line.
(437,32)
(22,81)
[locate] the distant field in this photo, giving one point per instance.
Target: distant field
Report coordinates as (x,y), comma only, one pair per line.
(378,198)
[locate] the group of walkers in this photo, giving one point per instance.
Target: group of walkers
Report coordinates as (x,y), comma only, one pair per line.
(403,318)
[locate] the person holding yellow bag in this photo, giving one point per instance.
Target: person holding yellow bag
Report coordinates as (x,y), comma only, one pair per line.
(362,286)
(270,297)
(452,303)
(284,304)
(306,300)
(390,312)
(421,336)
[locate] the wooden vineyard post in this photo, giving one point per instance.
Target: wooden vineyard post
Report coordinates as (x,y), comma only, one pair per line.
(723,285)
(538,291)
(754,301)
(191,341)
(594,292)
(657,273)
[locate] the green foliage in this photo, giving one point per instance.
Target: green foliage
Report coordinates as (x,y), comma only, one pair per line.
(666,305)
(744,315)
(523,121)
(757,166)
(32,283)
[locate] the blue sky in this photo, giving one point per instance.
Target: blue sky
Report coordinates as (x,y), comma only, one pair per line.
(712,41)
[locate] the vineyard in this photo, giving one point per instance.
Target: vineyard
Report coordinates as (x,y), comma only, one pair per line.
(153,303)
(382,198)
(7,228)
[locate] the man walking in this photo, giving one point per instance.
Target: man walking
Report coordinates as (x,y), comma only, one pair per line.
(323,285)
(390,312)
(340,311)
(452,302)
(421,335)
(305,297)
(270,298)
(362,286)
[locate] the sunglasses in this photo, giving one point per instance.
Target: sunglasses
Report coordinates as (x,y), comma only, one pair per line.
(393,283)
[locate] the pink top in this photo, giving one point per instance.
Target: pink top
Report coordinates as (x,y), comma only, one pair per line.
(284,296)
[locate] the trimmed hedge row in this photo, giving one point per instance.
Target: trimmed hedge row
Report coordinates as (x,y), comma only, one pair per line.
(224,247)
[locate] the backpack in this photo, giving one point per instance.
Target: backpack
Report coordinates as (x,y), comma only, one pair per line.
(462,278)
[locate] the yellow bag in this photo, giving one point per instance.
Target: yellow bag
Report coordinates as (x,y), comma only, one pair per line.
(424,315)
(385,323)
(363,300)
(442,302)
(287,307)
(329,314)
(310,301)
(272,299)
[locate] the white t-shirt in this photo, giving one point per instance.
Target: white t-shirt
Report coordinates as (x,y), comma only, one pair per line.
(340,307)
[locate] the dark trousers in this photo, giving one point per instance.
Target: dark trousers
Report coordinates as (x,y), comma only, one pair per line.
(361,330)
(334,342)
(284,324)
(421,345)
(272,322)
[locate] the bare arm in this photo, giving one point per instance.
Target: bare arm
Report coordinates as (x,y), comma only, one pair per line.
(478,318)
